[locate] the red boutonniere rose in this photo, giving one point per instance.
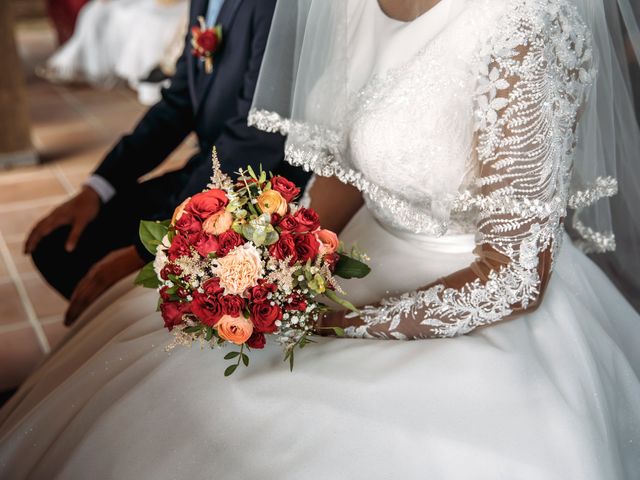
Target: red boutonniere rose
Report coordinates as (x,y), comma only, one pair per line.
(205,42)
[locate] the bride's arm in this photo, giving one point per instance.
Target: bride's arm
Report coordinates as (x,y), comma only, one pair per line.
(528,107)
(334,201)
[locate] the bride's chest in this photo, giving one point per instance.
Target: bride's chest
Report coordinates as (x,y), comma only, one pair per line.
(413,126)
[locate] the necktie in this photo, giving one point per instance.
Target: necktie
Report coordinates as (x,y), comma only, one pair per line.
(213,10)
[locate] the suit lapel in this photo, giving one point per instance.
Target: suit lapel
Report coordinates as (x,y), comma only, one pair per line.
(225,19)
(199,7)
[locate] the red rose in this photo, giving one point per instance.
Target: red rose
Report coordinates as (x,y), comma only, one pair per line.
(308,220)
(205,204)
(188,224)
(172,313)
(264,316)
(296,302)
(288,224)
(212,287)
(232,305)
(208,41)
(260,293)
(206,244)
(257,341)
(228,241)
(275,218)
(307,247)
(164,294)
(207,308)
(170,269)
(179,248)
(284,248)
(332,260)
(285,188)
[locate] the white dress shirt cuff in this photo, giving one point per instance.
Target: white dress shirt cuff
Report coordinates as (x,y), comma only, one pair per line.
(103,188)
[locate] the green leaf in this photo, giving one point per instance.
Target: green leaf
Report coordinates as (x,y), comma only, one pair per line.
(208,333)
(147,277)
(231,355)
(230,369)
(348,267)
(194,329)
(251,172)
(291,361)
(341,301)
(338,331)
(152,233)
(245,359)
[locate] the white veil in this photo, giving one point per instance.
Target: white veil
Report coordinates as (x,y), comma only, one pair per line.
(310,78)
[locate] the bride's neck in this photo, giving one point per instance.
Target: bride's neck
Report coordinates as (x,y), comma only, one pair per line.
(406,10)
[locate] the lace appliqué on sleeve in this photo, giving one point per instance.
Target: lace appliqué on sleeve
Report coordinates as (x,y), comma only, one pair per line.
(534,77)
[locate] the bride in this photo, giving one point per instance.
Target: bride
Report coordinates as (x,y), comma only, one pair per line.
(470,128)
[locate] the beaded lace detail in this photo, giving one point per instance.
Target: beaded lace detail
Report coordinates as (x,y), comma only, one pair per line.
(534,78)
(531,78)
(430,212)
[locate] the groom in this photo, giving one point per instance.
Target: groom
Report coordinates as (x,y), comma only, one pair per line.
(90,242)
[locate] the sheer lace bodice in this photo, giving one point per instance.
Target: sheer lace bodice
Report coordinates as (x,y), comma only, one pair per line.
(493,120)
(474,133)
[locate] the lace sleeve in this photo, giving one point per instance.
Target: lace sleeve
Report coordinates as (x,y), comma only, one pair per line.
(528,100)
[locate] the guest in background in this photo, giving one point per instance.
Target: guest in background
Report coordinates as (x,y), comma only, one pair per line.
(91,242)
(63,15)
(117,39)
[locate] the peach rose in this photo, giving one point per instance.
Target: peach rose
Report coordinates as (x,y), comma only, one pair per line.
(218,223)
(239,270)
(272,202)
(235,329)
(177,213)
(328,241)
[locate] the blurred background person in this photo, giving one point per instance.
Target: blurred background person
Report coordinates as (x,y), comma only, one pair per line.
(118,39)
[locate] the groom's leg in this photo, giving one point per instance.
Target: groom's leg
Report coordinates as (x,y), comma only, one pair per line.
(112,229)
(115,227)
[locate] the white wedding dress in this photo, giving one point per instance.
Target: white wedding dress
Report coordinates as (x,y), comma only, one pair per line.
(552,394)
(114,39)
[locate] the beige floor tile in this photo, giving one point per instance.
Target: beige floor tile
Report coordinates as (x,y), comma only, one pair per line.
(4,273)
(19,355)
(17,222)
(55,330)
(36,187)
(46,301)
(55,140)
(22,262)
(11,309)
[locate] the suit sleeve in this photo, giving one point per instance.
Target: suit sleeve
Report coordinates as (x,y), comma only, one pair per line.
(240,145)
(160,131)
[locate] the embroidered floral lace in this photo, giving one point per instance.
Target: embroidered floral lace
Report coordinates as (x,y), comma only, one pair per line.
(532,78)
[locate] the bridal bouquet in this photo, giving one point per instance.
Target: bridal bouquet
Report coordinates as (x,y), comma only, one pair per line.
(241,260)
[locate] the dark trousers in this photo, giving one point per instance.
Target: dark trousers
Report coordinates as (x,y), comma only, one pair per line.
(115,227)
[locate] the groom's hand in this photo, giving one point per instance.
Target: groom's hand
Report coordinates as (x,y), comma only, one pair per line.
(103,275)
(77,212)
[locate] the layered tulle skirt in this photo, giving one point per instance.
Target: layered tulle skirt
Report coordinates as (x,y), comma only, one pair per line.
(549,395)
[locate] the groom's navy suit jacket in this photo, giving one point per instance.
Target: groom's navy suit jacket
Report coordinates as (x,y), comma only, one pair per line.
(213,105)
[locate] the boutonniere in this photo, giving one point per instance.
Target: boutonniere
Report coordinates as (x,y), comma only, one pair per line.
(205,42)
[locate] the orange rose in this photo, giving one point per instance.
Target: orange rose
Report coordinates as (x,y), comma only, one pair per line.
(272,202)
(218,223)
(328,241)
(179,211)
(235,329)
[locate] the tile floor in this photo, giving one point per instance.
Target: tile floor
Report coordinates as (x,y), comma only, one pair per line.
(72,128)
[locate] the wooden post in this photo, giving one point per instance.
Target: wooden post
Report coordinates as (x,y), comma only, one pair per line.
(15,139)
